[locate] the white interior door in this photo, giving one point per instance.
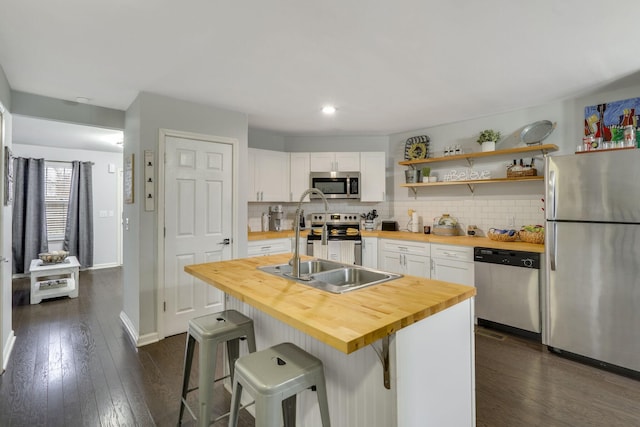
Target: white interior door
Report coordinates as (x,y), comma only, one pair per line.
(198,225)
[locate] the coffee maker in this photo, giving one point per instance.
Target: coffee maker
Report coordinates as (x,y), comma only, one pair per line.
(276,217)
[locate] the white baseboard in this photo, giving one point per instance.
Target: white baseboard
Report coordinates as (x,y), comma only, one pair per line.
(7,349)
(138,340)
(101,266)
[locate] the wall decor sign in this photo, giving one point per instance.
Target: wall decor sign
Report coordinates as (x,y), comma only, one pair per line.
(128,178)
(607,121)
(8,176)
(149,187)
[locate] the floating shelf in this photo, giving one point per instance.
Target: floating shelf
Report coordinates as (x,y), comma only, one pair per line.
(471,183)
(469,157)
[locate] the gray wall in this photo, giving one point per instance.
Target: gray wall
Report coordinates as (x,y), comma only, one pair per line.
(5,90)
(568,114)
(105,196)
(28,104)
(265,140)
(144,118)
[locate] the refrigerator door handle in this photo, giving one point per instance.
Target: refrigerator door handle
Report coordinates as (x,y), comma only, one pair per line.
(552,246)
(552,194)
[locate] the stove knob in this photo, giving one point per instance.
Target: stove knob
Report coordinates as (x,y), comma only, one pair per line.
(527,262)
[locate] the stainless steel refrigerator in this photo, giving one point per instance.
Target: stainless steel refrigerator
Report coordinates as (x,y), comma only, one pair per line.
(593,256)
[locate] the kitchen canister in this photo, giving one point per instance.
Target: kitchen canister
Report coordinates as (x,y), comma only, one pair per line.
(412,176)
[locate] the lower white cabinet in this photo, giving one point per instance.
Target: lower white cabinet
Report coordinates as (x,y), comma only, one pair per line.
(268,247)
(451,263)
(370,252)
(405,257)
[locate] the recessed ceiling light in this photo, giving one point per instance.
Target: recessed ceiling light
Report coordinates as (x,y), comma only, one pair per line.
(329,109)
(82,100)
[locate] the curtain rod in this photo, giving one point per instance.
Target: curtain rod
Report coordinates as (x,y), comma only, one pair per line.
(63,161)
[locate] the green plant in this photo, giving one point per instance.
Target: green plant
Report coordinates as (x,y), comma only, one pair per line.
(426,171)
(488,135)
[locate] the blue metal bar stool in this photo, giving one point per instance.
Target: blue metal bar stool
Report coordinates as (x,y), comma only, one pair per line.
(273,377)
(228,326)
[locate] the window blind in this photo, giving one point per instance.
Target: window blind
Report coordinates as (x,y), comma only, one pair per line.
(57,189)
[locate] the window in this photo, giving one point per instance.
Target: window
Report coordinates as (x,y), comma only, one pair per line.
(56,197)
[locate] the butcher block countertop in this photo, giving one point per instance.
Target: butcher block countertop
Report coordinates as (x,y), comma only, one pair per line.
(417,237)
(347,321)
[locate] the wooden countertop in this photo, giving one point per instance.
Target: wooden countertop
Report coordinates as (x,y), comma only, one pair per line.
(418,237)
(346,322)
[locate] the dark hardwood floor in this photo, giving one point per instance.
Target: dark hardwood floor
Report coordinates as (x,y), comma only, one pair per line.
(74,365)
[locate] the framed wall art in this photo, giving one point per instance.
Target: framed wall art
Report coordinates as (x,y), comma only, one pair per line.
(128,178)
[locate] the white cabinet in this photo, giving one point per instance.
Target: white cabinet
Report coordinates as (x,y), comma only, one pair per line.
(268,176)
(299,166)
(268,247)
(372,176)
(336,162)
(405,257)
(370,252)
(451,263)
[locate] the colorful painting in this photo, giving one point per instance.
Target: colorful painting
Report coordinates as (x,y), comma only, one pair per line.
(607,121)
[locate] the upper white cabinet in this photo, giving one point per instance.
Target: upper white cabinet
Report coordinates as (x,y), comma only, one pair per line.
(335,162)
(372,176)
(268,176)
(299,163)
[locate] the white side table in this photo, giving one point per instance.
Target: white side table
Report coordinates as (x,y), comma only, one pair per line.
(45,285)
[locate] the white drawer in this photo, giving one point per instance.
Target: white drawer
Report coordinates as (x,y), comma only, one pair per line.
(268,247)
(460,253)
(406,247)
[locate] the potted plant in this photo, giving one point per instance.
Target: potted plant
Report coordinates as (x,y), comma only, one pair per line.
(488,139)
(425,174)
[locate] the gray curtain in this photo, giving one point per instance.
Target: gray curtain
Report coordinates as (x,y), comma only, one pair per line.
(29,215)
(78,236)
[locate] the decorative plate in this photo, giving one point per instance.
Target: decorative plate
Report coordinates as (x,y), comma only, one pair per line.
(417,150)
(409,144)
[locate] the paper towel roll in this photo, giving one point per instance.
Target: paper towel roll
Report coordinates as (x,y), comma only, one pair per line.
(415,226)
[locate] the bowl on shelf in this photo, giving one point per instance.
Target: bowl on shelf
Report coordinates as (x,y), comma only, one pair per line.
(53,257)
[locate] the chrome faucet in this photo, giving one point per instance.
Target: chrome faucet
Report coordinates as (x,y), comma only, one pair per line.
(295,261)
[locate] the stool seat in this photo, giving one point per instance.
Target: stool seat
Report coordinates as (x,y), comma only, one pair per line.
(229,326)
(219,325)
(273,377)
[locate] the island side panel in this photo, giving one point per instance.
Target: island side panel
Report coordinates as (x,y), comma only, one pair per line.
(355,388)
(436,369)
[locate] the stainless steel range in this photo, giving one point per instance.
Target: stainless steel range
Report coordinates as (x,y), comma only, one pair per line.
(340,228)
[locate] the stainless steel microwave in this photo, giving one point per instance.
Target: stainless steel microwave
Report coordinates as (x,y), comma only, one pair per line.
(336,185)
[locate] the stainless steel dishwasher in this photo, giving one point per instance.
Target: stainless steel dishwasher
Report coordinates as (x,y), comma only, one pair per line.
(508,288)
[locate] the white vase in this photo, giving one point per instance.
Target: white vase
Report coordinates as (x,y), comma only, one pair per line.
(488,146)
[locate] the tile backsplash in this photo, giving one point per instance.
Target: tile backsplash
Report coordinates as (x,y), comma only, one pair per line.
(485,213)
(342,206)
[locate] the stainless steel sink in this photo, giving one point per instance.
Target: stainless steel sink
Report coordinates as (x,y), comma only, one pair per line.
(306,267)
(332,276)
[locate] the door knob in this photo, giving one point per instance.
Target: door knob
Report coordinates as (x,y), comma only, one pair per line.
(225,242)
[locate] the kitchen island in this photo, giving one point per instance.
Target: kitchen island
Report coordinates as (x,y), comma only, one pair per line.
(426,325)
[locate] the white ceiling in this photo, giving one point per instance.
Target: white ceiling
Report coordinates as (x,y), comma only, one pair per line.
(388,66)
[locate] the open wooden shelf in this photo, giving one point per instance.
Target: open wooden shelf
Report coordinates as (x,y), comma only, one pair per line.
(471,183)
(469,157)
